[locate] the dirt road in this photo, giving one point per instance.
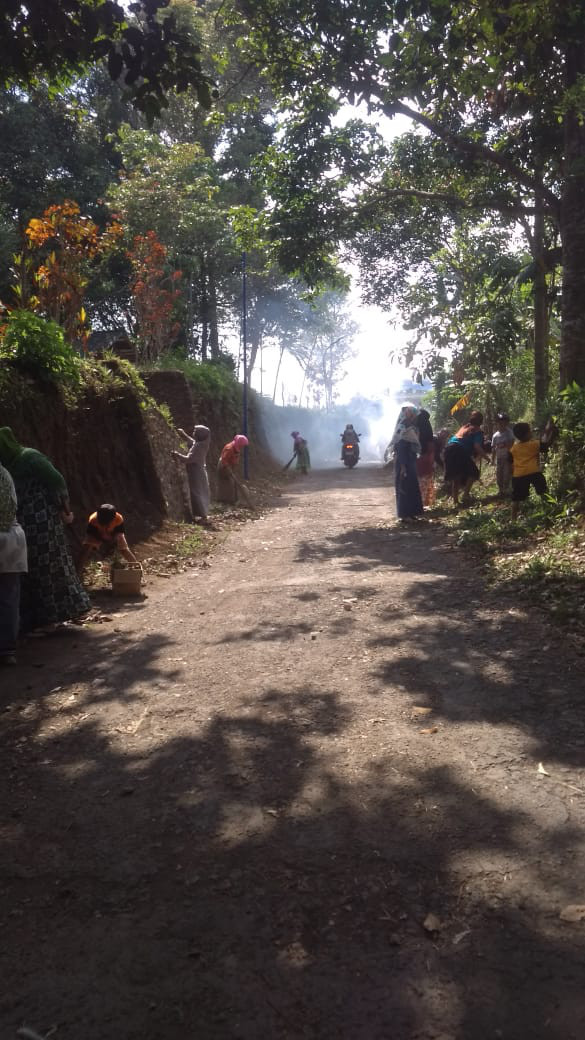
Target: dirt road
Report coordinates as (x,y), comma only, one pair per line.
(228,813)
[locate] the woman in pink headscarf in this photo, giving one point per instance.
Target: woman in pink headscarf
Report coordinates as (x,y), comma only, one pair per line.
(229,487)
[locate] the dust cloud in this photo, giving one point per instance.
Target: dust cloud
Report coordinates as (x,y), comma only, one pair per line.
(374,421)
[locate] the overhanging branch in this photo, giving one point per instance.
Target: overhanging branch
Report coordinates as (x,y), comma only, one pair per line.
(505,207)
(476,151)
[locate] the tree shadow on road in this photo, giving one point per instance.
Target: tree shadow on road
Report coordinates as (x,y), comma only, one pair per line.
(254,879)
(369,547)
(459,648)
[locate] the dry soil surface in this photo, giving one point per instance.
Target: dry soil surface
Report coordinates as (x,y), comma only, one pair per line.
(322,786)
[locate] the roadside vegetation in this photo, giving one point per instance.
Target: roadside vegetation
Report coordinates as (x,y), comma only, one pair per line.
(538,559)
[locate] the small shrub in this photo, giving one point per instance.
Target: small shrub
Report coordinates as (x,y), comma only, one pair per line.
(38,346)
(165,411)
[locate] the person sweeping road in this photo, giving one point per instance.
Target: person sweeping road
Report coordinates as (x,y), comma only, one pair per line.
(229,487)
(301,452)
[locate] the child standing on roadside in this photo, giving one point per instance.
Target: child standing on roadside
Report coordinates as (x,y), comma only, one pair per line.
(502,441)
(526,471)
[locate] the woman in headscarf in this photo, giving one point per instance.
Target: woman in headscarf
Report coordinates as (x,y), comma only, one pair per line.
(229,487)
(196,469)
(406,446)
(425,464)
(12,565)
(460,453)
(301,450)
(51,592)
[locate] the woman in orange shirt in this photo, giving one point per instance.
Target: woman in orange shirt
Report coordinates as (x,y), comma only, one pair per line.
(229,487)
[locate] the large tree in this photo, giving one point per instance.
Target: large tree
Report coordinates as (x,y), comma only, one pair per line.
(501,82)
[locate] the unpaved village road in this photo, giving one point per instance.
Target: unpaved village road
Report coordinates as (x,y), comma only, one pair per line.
(228,813)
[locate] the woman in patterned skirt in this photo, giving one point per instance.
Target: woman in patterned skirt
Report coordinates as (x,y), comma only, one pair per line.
(51,591)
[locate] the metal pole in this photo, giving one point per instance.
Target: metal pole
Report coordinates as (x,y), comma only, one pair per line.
(245,364)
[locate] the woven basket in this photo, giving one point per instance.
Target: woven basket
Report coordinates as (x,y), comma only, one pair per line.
(126,581)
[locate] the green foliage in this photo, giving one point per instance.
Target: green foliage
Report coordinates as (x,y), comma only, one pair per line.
(191,543)
(165,411)
(38,346)
(510,391)
(121,373)
(566,466)
(124,371)
(497,86)
(149,54)
(209,381)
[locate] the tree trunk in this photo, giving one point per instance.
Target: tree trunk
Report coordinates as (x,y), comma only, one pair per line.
(277,373)
(204,309)
(572,359)
(212,313)
(255,340)
(190,319)
(305,371)
(541,320)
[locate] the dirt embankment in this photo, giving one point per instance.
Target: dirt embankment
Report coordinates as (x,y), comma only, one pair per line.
(171,388)
(107,441)
(112,444)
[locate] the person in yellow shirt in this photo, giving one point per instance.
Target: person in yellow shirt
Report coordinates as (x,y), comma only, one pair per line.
(526,472)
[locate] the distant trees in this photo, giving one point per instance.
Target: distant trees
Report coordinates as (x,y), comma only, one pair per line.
(331,331)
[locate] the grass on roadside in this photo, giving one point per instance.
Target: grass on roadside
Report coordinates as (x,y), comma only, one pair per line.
(191,543)
(539,557)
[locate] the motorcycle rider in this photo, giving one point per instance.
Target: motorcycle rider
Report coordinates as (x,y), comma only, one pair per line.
(350,435)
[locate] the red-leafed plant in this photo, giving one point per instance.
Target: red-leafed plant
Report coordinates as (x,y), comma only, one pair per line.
(65,242)
(154,291)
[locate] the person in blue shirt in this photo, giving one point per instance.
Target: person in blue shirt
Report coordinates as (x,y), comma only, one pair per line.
(462,450)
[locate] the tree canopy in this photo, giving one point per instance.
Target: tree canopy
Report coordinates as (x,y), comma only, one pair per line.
(500,84)
(144,48)
(460,224)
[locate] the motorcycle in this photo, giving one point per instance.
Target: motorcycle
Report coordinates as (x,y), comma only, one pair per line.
(350,453)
